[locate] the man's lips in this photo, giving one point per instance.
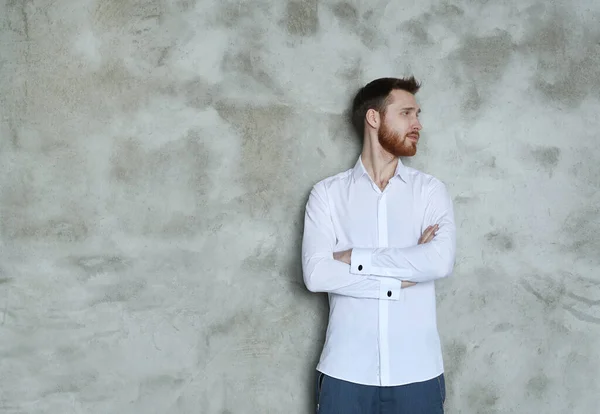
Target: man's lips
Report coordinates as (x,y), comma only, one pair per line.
(414,137)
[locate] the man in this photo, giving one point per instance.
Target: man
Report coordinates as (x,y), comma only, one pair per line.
(376,237)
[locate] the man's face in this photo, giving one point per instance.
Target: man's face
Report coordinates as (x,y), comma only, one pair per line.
(400,126)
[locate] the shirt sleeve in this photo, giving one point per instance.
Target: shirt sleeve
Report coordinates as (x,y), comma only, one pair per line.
(420,263)
(321,272)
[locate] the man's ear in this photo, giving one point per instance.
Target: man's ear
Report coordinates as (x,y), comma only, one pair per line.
(372,118)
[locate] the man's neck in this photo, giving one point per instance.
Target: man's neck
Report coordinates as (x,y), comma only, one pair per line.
(379,164)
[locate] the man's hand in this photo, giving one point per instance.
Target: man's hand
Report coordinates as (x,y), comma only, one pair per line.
(343,256)
(406,284)
(428,234)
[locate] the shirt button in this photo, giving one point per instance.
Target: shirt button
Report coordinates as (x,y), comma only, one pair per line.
(389,293)
(359,267)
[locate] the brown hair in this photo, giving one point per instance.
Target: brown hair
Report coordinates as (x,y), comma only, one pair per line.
(375,94)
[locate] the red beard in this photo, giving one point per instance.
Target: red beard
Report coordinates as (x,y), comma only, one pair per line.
(393,143)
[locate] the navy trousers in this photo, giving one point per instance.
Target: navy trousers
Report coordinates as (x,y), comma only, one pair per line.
(335,396)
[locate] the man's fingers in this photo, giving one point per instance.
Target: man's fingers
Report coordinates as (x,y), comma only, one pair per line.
(433,229)
(427,231)
(428,234)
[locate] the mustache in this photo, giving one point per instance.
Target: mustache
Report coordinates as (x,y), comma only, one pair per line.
(415,134)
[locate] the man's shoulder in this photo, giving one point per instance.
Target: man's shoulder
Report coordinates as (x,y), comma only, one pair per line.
(424,179)
(335,179)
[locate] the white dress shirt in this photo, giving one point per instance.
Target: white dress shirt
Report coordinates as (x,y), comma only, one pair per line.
(379,334)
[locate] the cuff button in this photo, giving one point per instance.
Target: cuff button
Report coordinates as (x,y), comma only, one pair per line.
(359,267)
(389,293)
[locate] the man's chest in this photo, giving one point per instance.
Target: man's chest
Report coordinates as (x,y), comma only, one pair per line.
(377,219)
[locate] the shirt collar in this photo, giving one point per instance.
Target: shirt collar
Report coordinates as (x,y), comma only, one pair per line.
(359,170)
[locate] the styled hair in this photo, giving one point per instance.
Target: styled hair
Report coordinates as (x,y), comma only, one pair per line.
(375,95)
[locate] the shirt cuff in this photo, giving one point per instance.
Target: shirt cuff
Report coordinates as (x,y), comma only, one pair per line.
(389,289)
(360,261)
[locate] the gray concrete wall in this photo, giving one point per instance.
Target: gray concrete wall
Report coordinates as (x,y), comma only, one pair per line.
(155,159)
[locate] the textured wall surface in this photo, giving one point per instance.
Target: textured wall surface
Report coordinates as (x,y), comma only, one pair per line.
(155,161)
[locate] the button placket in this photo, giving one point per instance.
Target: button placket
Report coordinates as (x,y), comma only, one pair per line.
(382,241)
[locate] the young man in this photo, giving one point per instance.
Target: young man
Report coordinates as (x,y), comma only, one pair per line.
(376,237)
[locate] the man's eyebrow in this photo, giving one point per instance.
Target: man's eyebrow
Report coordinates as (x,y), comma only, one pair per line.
(411,108)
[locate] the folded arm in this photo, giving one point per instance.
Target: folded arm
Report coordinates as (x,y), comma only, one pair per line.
(321,272)
(423,262)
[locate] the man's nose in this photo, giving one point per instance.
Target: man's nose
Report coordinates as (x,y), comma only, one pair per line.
(417,125)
